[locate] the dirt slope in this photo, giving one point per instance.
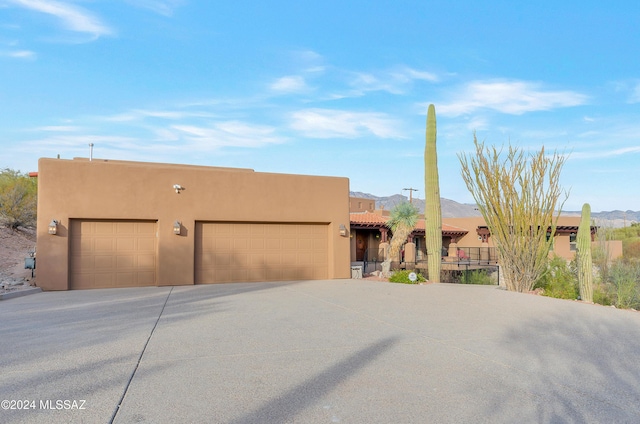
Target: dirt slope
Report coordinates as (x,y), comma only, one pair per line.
(14,248)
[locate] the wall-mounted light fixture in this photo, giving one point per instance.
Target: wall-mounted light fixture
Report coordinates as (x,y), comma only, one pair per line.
(343,230)
(53,227)
(178,188)
(177,226)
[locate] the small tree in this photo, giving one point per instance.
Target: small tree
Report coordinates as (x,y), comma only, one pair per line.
(518,197)
(18,199)
(402,220)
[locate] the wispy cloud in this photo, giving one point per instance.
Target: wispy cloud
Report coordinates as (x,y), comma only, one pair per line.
(635,94)
(20,54)
(165,8)
(395,81)
(58,128)
(73,18)
(330,123)
(605,153)
(223,134)
(289,84)
(141,114)
(510,97)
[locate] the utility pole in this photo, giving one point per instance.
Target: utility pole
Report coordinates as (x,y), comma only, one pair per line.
(411,190)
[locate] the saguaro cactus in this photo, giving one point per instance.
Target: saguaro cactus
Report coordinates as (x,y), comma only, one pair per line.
(432,211)
(583,244)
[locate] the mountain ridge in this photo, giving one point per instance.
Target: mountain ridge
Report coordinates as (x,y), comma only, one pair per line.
(453,209)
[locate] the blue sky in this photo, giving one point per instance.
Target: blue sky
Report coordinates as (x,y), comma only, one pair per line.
(327,88)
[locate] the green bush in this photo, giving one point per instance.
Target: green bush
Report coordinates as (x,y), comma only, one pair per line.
(18,199)
(602,294)
(559,280)
(479,276)
(402,276)
(624,278)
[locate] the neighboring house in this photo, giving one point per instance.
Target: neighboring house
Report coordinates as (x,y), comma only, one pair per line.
(463,239)
(361,204)
(129,224)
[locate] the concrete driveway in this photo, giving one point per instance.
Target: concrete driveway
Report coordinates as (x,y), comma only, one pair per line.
(341,351)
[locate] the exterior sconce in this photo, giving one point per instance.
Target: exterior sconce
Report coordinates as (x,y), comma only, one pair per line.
(343,230)
(176,228)
(53,227)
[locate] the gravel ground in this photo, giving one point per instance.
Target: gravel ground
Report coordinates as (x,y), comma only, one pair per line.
(15,246)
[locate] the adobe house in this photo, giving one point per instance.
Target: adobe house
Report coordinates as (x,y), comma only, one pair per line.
(104,223)
(463,239)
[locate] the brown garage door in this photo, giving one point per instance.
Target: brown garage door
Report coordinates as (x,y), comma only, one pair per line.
(235,252)
(112,254)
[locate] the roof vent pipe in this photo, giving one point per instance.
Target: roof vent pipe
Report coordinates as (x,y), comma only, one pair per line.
(90,152)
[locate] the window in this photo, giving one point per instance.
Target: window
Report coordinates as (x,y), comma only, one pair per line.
(572,242)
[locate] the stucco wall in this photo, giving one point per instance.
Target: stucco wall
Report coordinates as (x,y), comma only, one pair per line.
(100,189)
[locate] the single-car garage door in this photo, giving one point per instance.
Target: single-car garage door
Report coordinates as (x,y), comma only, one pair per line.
(234,252)
(112,253)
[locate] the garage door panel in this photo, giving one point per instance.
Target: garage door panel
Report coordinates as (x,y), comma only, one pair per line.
(103,245)
(125,262)
(305,258)
(125,227)
(103,262)
(104,228)
(102,280)
(147,278)
(112,253)
(306,244)
(273,259)
(125,244)
(221,244)
(257,230)
(240,244)
(274,274)
(290,244)
(257,244)
(230,252)
(146,245)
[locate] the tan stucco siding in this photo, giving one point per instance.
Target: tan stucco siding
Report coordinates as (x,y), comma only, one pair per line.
(81,189)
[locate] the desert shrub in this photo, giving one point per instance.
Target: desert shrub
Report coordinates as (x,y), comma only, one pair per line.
(559,280)
(479,276)
(402,276)
(631,249)
(624,278)
(603,294)
(18,199)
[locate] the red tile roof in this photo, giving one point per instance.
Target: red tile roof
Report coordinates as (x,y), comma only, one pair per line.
(373,220)
(367,219)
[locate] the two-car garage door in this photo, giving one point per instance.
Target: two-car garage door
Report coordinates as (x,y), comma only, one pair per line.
(123,253)
(234,252)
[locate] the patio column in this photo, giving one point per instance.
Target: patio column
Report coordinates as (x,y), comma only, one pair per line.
(453,247)
(410,255)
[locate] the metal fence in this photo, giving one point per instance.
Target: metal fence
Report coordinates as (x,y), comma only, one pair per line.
(471,265)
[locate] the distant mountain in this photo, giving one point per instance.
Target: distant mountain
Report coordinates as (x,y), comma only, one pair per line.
(453,209)
(613,219)
(450,208)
